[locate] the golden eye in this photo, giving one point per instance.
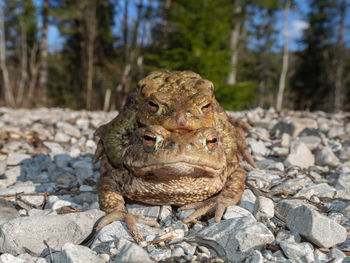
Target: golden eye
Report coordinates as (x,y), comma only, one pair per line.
(211,141)
(149,140)
(154,107)
(206,107)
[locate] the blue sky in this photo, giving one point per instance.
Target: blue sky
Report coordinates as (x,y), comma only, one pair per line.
(296,25)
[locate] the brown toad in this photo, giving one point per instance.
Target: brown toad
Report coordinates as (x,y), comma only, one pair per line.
(179,100)
(170,168)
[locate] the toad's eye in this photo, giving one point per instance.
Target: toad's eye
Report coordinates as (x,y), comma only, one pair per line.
(154,107)
(149,140)
(211,141)
(206,107)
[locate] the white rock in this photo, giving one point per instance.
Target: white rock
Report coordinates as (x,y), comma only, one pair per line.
(312,142)
(8,258)
(258,147)
(343,181)
(235,211)
(268,164)
(235,238)
(298,252)
(325,156)
(130,253)
(68,129)
(72,253)
(263,208)
(55,148)
(299,155)
(283,207)
(293,126)
(313,226)
(7,211)
(62,137)
(160,254)
(247,200)
(11,176)
(83,124)
(29,232)
(16,158)
(54,203)
(320,190)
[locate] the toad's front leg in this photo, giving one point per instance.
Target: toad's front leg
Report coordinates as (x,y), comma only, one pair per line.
(112,202)
(229,195)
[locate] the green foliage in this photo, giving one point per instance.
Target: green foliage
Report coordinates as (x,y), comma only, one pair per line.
(237,97)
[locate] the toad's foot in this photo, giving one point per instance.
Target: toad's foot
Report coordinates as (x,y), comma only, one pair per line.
(230,195)
(130,221)
(216,204)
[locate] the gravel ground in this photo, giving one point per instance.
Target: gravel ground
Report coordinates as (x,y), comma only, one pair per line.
(296,206)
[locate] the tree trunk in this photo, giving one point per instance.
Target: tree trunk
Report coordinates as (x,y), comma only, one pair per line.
(9,97)
(33,70)
(125,31)
(231,79)
(339,62)
(165,24)
(43,55)
(91,34)
(282,81)
(24,64)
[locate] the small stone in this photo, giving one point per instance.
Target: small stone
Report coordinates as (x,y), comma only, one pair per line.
(284,206)
(268,164)
(293,126)
(343,181)
(72,253)
(69,129)
(62,137)
(7,211)
(188,249)
(35,201)
(263,178)
(325,157)
(160,254)
(247,200)
(91,144)
(279,151)
(178,252)
(313,226)
(62,160)
(336,255)
(255,257)
(83,170)
(8,258)
(320,190)
(165,212)
(235,211)
(299,155)
(258,147)
(263,208)
(55,148)
(54,203)
(10,176)
(299,252)
(66,179)
(24,233)
(16,158)
(235,238)
(285,140)
(130,253)
(147,211)
(312,142)
(83,124)
(290,236)
(85,188)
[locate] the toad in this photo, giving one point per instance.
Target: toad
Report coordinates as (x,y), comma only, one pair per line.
(179,100)
(162,167)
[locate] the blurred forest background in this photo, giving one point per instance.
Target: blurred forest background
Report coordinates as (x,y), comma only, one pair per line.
(103,47)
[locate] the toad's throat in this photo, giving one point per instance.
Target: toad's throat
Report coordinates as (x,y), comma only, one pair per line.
(176,169)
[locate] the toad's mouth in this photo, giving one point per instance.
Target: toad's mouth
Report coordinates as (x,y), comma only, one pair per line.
(177,169)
